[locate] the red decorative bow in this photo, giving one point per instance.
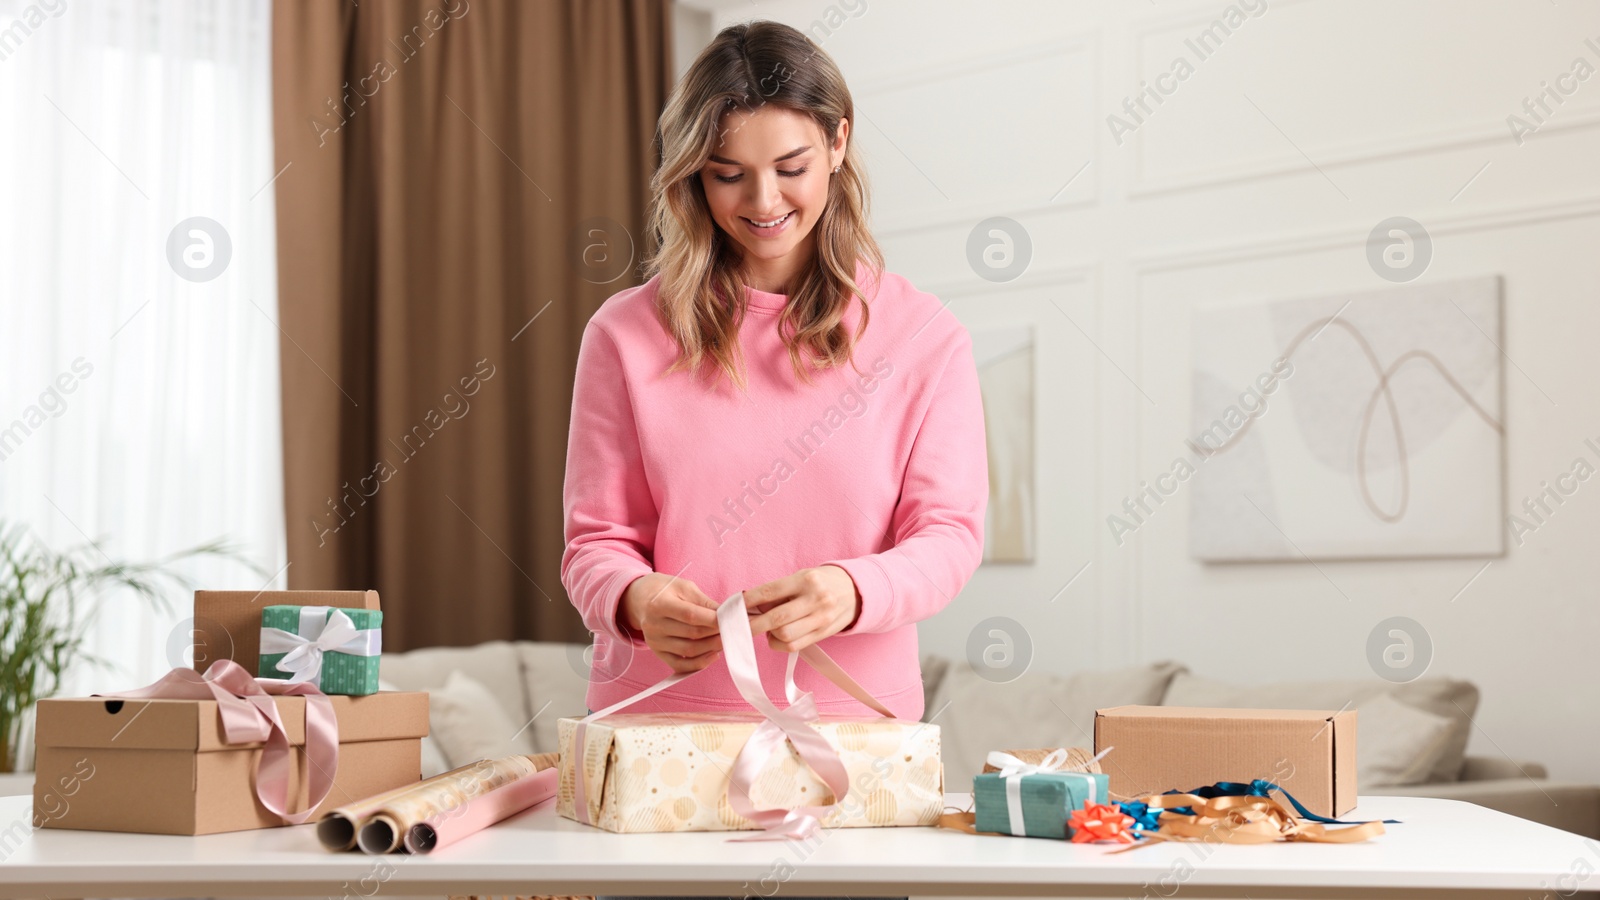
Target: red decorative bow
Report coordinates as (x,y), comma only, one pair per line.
(1100,822)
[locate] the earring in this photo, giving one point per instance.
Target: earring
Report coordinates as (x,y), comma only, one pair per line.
(837,168)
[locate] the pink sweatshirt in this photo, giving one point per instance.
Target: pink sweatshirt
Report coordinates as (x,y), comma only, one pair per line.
(884,474)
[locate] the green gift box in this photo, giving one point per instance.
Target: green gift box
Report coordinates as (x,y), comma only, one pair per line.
(1047,800)
(336,649)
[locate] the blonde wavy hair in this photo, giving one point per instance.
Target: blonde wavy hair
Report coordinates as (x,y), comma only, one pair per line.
(746,66)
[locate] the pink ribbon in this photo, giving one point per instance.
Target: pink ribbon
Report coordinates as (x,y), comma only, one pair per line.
(793,722)
(250,715)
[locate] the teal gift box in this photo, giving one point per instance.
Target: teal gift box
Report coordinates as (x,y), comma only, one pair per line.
(341,647)
(1047,801)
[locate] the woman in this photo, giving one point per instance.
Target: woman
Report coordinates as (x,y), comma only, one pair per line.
(771,412)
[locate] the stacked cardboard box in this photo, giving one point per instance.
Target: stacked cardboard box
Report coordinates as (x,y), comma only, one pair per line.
(164,766)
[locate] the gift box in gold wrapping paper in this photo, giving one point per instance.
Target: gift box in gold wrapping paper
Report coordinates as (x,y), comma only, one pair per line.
(650,772)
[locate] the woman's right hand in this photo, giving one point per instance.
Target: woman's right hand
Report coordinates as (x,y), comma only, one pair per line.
(676,618)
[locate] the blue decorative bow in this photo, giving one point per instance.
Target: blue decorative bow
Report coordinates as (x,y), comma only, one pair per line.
(1256,788)
(1144,818)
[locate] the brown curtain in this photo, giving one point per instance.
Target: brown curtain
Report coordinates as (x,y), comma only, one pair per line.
(461,184)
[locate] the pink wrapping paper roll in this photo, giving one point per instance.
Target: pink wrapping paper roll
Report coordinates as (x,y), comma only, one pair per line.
(482,811)
(249,714)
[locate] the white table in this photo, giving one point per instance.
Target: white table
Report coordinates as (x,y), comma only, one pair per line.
(1444,848)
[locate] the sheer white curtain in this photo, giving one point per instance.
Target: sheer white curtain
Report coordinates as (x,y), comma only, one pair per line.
(138,371)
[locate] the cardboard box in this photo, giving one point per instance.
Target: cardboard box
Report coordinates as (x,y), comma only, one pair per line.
(649,772)
(163,767)
(227,624)
(1309,753)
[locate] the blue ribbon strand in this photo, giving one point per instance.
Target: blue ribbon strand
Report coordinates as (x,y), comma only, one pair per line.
(1256,788)
(1144,818)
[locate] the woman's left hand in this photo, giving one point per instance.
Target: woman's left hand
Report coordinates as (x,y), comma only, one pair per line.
(801,609)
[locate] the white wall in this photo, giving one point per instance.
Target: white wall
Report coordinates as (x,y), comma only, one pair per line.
(1260,176)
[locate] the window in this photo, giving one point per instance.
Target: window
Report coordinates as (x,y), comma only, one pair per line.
(138,346)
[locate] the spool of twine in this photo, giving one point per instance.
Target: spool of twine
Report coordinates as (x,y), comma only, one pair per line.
(1076,758)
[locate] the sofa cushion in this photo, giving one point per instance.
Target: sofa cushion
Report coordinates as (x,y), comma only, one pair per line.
(471,724)
(1037,710)
(493,665)
(1491,768)
(555,678)
(1456,700)
(1567,806)
(1397,743)
(432,755)
(934,668)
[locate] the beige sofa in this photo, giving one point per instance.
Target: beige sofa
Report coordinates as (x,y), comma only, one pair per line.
(502,697)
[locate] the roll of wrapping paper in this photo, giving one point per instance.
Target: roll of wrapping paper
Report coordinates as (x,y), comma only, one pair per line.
(386,826)
(482,811)
(337,828)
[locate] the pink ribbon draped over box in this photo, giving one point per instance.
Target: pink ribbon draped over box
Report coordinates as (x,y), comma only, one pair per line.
(249,715)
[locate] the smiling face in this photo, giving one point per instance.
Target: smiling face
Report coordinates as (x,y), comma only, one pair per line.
(767,185)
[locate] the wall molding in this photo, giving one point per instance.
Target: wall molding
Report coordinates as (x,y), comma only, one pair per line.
(1071,273)
(1114,624)
(1379,150)
(1459,136)
(968,214)
(1356,235)
(1236,252)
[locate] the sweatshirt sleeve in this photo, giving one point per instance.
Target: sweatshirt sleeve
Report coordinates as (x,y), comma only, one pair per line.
(609,513)
(939,519)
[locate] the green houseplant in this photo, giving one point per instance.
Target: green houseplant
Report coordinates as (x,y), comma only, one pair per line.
(46,607)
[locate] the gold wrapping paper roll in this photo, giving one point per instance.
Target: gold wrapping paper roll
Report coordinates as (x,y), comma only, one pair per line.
(387,827)
(337,828)
(387,820)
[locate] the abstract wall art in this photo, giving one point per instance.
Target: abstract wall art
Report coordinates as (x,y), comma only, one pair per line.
(1355,425)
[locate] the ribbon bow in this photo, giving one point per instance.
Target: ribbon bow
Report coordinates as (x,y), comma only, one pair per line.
(250,715)
(320,632)
(1101,822)
(1143,816)
(1012,769)
(793,722)
(1010,765)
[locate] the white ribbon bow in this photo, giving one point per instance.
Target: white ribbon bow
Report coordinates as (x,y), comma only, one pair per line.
(1012,769)
(320,632)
